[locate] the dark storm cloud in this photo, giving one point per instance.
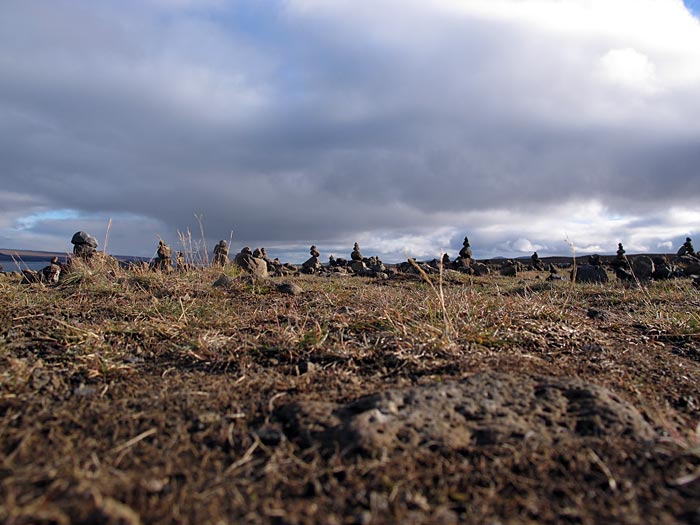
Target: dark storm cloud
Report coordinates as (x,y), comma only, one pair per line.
(304,121)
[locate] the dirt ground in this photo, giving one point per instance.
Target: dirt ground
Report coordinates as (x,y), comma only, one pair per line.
(131,398)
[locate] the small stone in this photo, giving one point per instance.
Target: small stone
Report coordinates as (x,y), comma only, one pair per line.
(224,281)
(85,391)
(595,314)
(270,436)
(289,289)
(307,367)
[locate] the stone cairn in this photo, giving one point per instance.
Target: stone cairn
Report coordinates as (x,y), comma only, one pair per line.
(221,253)
(312,264)
(356,254)
(535,262)
(163,262)
(465,254)
(84,245)
(687,248)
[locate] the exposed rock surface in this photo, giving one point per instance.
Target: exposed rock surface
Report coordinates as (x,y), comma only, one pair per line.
(484,409)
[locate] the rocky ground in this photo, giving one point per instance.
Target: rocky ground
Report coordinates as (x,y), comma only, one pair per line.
(136,397)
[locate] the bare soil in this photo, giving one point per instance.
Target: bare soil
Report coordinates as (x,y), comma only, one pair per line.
(130,397)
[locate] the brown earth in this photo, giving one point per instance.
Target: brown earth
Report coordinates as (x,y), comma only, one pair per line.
(142,398)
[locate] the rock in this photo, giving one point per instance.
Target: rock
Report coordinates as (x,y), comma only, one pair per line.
(642,267)
(84,238)
(30,276)
(254,266)
(358,267)
(382,276)
(592,313)
(480,269)
(509,270)
(50,274)
(589,273)
(307,367)
(270,436)
(555,277)
(623,274)
(484,409)
(312,263)
(662,272)
(224,281)
(289,288)
(692,269)
(356,254)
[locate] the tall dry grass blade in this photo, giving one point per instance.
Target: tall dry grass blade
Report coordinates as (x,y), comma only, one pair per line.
(106,242)
(204,240)
(439,294)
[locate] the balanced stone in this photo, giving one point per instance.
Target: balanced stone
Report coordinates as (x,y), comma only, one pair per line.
(84,238)
(84,245)
(312,264)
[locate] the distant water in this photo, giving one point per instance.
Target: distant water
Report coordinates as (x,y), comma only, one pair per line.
(11,266)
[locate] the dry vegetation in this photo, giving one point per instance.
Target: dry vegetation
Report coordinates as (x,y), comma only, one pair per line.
(138,397)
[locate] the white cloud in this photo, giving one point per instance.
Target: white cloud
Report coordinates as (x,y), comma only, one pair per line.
(522,121)
(630,69)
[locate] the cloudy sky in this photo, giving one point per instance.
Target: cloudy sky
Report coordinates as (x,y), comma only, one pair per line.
(401,124)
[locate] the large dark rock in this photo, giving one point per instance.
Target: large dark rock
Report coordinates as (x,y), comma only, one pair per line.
(509,270)
(484,409)
(642,267)
(662,269)
(480,269)
(84,238)
(589,273)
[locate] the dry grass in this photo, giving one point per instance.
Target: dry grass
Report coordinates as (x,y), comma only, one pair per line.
(136,397)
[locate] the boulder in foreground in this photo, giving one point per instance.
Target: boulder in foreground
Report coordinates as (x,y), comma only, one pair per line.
(484,409)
